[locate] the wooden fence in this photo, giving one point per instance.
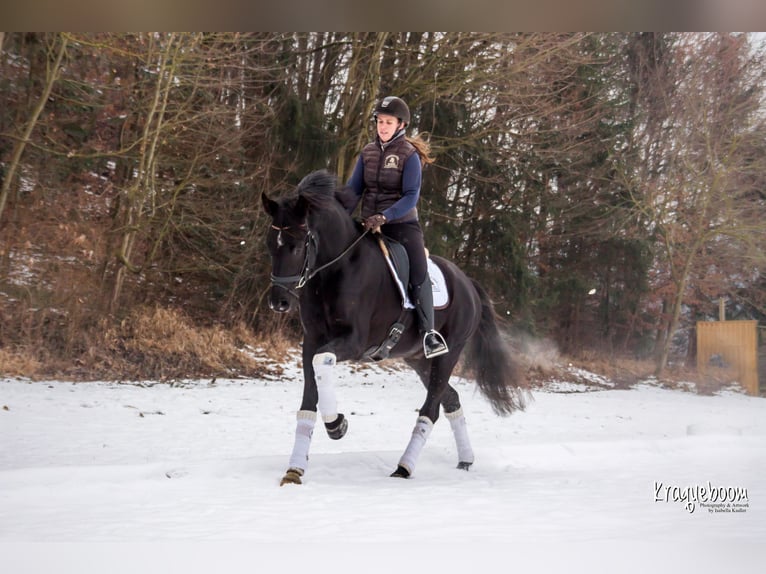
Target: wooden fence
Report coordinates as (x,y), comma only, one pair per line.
(735,343)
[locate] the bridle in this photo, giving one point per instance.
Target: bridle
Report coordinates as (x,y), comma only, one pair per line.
(289,282)
(292,283)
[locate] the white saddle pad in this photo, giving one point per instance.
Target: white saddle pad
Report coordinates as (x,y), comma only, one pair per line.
(438,285)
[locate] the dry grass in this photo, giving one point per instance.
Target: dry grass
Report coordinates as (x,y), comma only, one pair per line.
(152,344)
(19,363)
(160,343)
(543,363)
(623,371)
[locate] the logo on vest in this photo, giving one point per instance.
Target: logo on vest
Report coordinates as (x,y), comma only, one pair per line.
(391,162)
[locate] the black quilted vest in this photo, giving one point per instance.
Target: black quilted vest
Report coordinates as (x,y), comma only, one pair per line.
(383,169)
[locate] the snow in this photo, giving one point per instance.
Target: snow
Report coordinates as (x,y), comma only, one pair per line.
(108,477)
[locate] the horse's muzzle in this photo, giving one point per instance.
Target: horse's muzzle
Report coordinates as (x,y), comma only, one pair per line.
(279,300)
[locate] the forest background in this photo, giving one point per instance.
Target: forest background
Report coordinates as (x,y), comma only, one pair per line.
(608,189)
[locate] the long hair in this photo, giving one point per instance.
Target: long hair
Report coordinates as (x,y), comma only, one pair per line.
(423,147)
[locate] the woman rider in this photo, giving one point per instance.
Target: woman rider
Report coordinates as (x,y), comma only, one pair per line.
(387,179)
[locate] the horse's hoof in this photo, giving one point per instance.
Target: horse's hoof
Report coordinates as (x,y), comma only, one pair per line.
(464,465)
(400,472)
(292,476)
(336,430)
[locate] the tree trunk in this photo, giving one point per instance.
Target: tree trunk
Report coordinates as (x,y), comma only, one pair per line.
(21,143)
(675,317)
(143,186)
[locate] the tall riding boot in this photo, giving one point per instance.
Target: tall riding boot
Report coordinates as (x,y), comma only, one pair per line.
(423,298)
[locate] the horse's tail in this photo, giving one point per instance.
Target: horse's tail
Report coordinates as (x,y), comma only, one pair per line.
(497,373)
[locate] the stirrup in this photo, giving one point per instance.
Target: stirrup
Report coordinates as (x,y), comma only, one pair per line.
(440,348)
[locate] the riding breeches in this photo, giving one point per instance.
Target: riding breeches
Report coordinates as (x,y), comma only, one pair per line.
(410,235)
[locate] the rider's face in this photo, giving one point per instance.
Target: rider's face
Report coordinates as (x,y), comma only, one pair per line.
(387,126)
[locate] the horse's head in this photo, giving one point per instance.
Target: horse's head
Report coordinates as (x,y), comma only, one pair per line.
(286,242)
(311,227)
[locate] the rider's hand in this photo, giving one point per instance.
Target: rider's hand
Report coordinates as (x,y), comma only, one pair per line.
(374,221)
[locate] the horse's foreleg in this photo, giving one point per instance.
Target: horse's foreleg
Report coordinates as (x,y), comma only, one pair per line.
(335,423)
(299,459)
(318,393)
(460,432)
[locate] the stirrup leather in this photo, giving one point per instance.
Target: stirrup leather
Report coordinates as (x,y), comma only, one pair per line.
(436,346)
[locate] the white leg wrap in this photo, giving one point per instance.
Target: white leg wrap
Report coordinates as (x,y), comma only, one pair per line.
(303,431)
(418,440)
(324,363)
(460,431)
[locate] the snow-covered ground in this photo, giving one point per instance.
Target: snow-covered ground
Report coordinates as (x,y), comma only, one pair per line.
(107,477)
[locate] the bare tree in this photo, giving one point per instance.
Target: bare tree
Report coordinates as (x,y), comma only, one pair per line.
(701,98)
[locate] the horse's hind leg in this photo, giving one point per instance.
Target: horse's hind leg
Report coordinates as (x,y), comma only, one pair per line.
(435,374)
(454,413)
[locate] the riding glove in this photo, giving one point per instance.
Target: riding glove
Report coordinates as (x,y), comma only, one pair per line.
(374,221)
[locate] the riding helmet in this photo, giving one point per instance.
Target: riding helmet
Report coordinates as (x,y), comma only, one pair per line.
(393,106)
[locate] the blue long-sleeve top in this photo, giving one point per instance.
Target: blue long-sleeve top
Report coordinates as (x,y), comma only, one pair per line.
(411,180)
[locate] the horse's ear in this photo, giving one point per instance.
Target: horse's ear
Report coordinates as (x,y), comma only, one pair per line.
(269,206)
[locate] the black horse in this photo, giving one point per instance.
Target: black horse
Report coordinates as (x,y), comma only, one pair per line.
(349,304)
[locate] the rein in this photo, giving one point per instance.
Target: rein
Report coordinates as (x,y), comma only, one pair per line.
(307,274)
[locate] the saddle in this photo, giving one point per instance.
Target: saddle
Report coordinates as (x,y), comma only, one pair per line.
(398,264)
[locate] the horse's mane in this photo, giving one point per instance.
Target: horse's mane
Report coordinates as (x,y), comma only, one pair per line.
(318,188)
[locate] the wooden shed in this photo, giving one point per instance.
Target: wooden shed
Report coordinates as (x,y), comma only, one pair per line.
(735,344)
